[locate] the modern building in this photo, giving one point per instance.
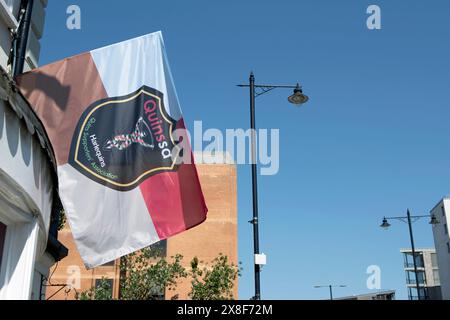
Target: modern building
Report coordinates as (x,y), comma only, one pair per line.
(218,234)
(381,295)
(29,204)
(442,244)
(427,274)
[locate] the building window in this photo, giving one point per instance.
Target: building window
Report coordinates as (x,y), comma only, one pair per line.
(158,294)
(419,260)
(2,240)
(19,250)
(160,248)
(448,247)
(408,260)
(413,294)
(443,211)
(409,263)
(445,228)
(434,261)
(107,288)
(437,280)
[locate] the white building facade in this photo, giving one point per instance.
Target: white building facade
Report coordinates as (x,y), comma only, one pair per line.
(29,204)
(442,244)
(427,274)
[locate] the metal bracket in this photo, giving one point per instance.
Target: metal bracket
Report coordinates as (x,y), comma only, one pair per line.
(263,90)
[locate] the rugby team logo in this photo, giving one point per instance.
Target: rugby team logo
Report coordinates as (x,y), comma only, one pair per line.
(121,141)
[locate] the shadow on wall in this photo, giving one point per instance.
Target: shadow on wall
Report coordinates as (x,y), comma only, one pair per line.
(50,85)
(12,124)
(15,132)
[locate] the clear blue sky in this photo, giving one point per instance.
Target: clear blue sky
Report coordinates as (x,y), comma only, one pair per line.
(373,141)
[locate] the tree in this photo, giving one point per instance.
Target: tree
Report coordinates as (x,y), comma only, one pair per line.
(215,282)
(102,291)
(146,275)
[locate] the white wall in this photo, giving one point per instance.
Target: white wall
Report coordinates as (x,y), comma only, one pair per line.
(440,242)
(25,204)
(25,176)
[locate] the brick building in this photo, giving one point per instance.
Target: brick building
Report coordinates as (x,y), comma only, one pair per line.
(218,234)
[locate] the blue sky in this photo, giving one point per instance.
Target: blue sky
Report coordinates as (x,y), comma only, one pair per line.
(373,141)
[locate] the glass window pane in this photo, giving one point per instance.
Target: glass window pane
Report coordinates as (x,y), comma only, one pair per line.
(419,261)
(434,262)
(411,277)
(160,248)
(408,260)
(413,294)
(437,280)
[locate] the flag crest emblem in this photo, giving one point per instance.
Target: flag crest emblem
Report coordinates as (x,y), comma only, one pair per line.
(121,141)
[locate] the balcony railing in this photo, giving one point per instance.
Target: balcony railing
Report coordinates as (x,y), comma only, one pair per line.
(417,298)
(411,265)
(413,281)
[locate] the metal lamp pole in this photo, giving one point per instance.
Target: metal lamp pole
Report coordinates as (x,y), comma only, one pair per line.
(409,220)
(330,287)
(297,98)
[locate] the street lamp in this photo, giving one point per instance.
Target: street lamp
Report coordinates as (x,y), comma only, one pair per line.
(257,90)
(330,286)
(409,219)
(298,97)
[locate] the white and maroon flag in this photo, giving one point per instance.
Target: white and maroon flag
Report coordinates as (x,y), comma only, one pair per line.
(110,115)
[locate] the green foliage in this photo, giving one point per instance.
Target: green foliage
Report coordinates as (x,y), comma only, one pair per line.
(146,275)
(62,219)
(103,291)
(215,282)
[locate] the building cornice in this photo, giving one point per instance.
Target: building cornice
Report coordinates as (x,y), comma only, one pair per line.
(14,98)
(7,16)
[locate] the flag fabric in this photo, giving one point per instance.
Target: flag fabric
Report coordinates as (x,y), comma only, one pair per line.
(111,115)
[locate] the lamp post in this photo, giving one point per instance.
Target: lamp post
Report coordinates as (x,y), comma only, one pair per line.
(409,219)
(257,90)
(330,286)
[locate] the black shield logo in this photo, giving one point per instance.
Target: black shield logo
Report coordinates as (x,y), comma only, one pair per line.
(119,142)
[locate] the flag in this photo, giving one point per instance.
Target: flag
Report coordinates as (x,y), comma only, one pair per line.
(111,115)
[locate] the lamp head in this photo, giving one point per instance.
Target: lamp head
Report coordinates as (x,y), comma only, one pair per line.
(298,98)
(434,220)
(385,224)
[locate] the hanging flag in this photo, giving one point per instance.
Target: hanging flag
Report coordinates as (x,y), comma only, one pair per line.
(111,115)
